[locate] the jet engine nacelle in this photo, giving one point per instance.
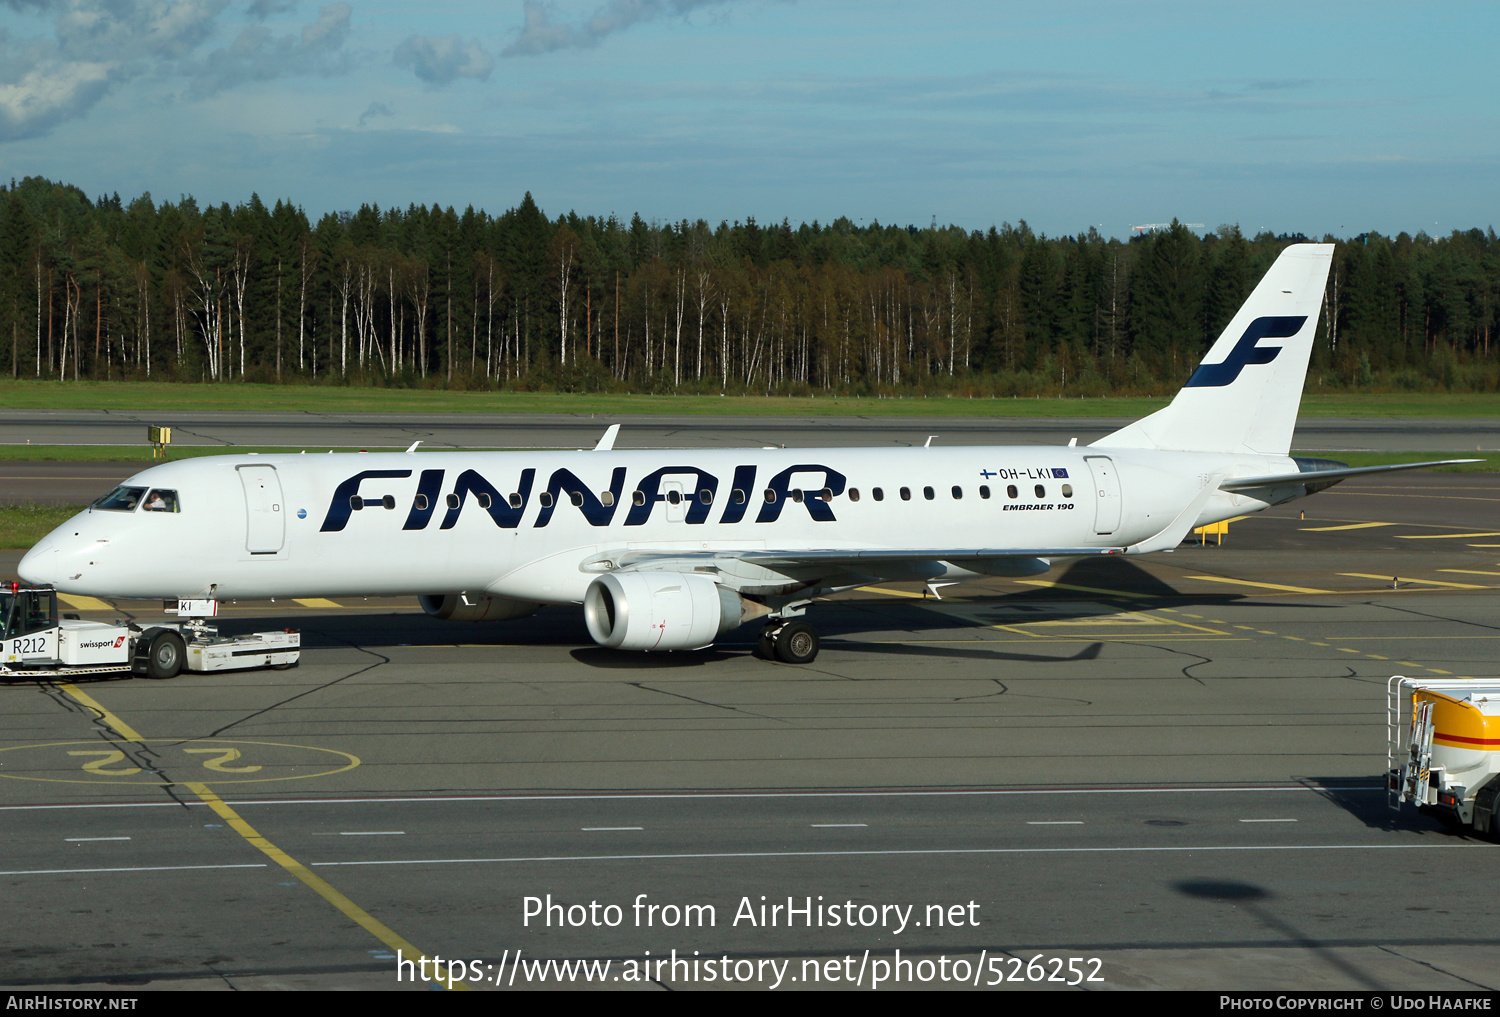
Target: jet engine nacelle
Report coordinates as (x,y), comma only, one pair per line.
(475,607)
(662,610)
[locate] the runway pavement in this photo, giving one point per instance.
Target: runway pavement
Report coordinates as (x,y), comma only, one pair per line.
(1167,772)
(488,430)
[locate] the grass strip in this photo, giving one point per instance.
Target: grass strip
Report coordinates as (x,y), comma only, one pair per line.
(21,526)
(143,398)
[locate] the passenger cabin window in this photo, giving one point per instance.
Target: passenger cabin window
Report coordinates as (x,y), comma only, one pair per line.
(545,499)
(737,496)
(770,496)
(483,499)
(958,492)
(356,502)
(606,498)
(1067,490)
(638,498)
(1041,492)
(161,500)
(515,501)
(706,496)
(121,499)
(878,494)
(577,498)
(389,501)
(906,494)
(928,493)
(797,496)
(854,494)
(674,497)
(452,501)
(1011,492)
(984,490)
(420,502)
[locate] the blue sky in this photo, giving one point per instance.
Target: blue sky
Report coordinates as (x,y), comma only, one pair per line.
(1314,117)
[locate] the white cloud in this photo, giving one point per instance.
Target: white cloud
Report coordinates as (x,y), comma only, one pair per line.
(440,59)
(540,34)
(258,54)
(96,46)
(50,93)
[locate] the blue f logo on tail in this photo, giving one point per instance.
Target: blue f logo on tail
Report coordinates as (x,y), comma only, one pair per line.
(1246,352)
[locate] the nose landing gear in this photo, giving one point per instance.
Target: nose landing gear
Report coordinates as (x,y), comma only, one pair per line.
(791,642)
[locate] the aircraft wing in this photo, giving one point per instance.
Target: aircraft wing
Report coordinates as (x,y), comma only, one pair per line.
(1323,476)
(839,557)
(826,561)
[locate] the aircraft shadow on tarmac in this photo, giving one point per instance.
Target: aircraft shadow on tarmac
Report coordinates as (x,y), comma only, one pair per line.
(1105,585)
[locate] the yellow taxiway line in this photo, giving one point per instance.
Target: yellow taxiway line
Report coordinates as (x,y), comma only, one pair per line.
(345,906)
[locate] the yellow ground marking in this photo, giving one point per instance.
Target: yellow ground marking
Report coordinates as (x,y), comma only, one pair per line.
(1438,671)
(1346,526)
(1263,586)
(1484,545)
(1316,643)
(1083,589)
(1470,572)
(84,603)
(1424,582)
(316,602)
(1377,656)
(1442,536)
(110,720)
(345,906)
(349,909)
(869,589)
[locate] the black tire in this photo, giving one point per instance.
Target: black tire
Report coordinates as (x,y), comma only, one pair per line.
(283,667)
(797,643)
(765,646)
(166,654)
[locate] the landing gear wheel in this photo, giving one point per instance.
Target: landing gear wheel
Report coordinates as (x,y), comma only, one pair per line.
(283,667)
(765,646)
(165,655)
(797,643)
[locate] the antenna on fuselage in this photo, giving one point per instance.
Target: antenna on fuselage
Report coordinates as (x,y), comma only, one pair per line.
(928,442)
(607,440)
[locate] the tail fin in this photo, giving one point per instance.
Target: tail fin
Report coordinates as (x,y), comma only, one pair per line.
(1244,395)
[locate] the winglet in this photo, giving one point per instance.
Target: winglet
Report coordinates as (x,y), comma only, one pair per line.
(1178,528)
(414,446)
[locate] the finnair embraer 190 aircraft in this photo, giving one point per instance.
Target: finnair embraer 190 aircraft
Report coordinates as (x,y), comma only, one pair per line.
(667,550)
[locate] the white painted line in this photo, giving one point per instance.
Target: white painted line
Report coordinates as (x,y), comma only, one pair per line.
(710,855)
(609,829)
(372,833)
(709,795)
(137,868)
(1054,822)
(837,826)
(1268,821)
(82,840)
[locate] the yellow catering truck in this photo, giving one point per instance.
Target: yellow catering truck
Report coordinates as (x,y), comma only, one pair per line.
(1443,749)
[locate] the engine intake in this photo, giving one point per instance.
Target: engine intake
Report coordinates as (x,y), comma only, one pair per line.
(475,607)
(662,610)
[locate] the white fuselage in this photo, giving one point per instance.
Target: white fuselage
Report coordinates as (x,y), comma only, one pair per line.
(248,526)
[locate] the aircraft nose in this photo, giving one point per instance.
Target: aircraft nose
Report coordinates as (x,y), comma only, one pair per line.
(39,566)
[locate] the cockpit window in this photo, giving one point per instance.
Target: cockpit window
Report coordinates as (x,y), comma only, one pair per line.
(121,499)
(161,500)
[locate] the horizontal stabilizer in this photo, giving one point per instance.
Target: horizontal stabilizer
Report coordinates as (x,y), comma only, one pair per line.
(1324,476)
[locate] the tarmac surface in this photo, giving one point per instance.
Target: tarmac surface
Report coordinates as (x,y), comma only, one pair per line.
(1161,774)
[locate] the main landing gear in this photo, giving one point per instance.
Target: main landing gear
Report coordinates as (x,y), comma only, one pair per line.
(791,642)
